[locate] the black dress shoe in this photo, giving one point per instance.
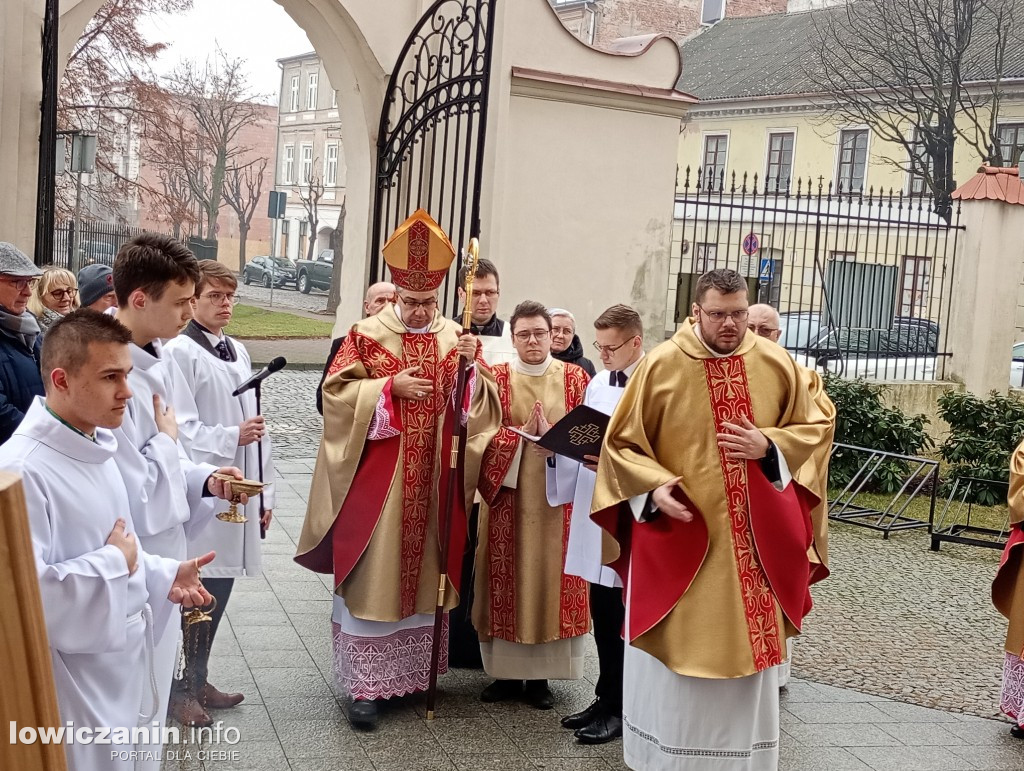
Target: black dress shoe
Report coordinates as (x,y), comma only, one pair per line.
(584,718)
(537,694)
(605,728)
(502,690)
(363,714)
(1017,731)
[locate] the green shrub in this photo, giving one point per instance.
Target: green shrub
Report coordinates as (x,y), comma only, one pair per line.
(983,435)
(863,421)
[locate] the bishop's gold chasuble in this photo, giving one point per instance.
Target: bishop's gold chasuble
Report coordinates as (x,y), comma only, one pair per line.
(522,594)
(374,504)
(714,598)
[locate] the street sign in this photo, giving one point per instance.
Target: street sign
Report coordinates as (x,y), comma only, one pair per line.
(766,269)
(276,206)
(751,244)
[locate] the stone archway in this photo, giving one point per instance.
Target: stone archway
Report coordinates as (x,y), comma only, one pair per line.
(561,191)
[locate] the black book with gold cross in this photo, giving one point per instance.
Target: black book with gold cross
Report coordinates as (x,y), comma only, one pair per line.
(579,433)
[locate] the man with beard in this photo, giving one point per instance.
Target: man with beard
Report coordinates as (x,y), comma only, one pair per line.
(696,485)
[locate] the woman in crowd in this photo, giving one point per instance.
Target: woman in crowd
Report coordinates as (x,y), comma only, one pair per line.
(54,297)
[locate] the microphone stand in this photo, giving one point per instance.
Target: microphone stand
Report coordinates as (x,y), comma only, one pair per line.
(259,462)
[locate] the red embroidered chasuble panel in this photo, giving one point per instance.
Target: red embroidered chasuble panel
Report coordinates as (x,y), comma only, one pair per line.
(574,615)
(730,403)
(419,435)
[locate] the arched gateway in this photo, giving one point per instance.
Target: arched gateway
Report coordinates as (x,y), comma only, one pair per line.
(553,190)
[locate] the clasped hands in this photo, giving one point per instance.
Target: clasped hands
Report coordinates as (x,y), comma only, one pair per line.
(743,441)
(408,385)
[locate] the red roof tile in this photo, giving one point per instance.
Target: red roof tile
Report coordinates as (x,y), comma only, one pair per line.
(993,183)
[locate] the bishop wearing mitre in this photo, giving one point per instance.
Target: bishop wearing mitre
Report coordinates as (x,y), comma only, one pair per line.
(377,502)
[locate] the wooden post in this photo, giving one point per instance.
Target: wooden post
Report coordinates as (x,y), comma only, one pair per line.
(28,697)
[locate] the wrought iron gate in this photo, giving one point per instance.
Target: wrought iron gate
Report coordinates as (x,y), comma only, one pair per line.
(863,281)
(430,145)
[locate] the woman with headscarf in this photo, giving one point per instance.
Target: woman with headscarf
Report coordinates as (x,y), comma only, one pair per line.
(54,297)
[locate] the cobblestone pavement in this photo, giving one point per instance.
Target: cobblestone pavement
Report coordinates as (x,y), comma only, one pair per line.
(288,297)
(894,620)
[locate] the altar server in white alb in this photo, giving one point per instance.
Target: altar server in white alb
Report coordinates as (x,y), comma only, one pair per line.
(620,341)
(223,429)
(155,278)
(104,598)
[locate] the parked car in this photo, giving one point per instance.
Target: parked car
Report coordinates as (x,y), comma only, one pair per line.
(315,273)
(1017,367)
(266,270)
(101,252)
(907,350)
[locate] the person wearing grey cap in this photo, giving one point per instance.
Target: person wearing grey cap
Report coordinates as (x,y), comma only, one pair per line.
(96,287)
(20,381)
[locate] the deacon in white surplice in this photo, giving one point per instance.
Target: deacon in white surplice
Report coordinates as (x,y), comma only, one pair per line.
(169,495)
(619,332)
(222,429)
(104,598)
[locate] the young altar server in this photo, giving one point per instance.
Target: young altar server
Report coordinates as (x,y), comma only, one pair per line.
(620,340)
(155,278)
(223,429)
(104,598)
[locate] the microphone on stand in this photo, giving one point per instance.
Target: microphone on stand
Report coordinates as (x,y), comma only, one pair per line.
(254,382)
(274,366)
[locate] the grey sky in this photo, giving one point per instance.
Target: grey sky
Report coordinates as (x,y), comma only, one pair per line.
(258,31)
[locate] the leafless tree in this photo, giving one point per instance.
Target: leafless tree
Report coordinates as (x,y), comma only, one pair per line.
(106,88)
(311,190)
(198,135)
(921,74)
(243,187)
(337,244)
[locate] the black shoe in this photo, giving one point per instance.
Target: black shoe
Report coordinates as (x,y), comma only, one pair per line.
(584,718)
(537,694)
(502,690)
(1017,731)
(605,728)
(363,714)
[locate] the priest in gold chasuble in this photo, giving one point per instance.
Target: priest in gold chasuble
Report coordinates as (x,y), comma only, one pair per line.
(531,617)
(1008,597)
(376,501)
(717,546)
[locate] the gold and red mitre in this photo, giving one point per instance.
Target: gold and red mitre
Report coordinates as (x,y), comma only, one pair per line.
(418,253)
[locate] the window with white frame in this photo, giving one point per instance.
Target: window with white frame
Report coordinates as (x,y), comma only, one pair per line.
(288,167)
(311,85)
(780,160)
(914,286)
(1011,142)
(307,164)
(716,146)
(334,98)
(853,160)
(331,164)
(712,11)
(705,258)
(294,101)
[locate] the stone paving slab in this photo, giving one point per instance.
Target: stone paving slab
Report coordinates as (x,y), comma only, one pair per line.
(276,649)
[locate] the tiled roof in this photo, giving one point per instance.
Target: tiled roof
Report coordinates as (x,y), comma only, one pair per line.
(993,183)
(774,55)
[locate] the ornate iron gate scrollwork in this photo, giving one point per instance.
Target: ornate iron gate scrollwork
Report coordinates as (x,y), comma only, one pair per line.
(430,145)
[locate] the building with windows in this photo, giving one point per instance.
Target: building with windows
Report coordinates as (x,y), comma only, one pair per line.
(601,23)
(311,159)
(759,112)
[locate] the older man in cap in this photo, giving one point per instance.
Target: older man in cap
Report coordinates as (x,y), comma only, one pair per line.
(96,287)
(377,504)
(20,381)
